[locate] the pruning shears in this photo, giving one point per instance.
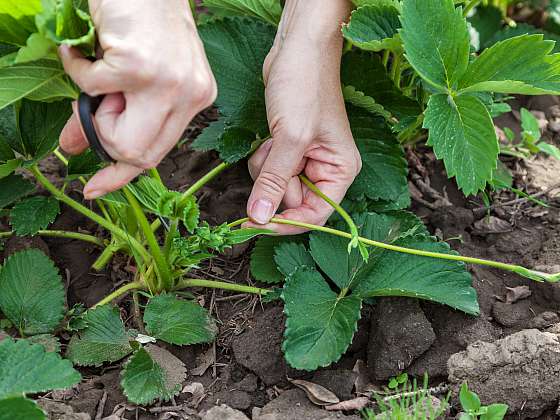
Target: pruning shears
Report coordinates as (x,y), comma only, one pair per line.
(87,107)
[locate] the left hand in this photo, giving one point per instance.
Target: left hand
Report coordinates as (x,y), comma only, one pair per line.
(310,135)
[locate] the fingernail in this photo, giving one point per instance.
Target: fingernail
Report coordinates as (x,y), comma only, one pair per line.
(91,195)
(262,211)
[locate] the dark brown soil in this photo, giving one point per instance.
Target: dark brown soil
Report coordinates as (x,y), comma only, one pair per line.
(396,335)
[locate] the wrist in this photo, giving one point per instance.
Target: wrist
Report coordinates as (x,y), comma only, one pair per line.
(315,23)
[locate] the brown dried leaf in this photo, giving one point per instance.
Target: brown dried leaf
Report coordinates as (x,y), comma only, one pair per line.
(491,224)
(362,380)
(349,405)
(197,391)
(317,394)
(205,360)
(513,294)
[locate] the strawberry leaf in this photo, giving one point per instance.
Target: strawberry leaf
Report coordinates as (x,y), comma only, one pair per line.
(374,28)
(20,408)
(33,214)
(17,20)
(178,321)
(522,64)
(152,373)
(263,265)
(32,292)
(267,10)
(12,188)
(462,133)
(436,41)
(103,339)
(320,324)
(43,371)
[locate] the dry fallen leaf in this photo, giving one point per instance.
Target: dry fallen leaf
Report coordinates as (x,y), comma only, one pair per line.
(197,391)
(317,394)
(205,360)
(491,224)
(513,294)
(362,379)
(349,405)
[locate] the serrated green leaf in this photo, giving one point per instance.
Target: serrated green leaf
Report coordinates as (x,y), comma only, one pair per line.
(84,164)
(145,379)
(49,342)
(320,325)
(209,138)
(104,338)
(343,268)
(361,100)
(267,10)
(43,371)
(462,133)
(374,28)
(395,3)
(33,214)
(190,213)
(9,135)
(263,266)
(384,169)
(32,292)
(39,81)
(436,41)
(178,321)
(63,23)
(397,274)
(236,49)
(12,188)
(549,149)
(530,125)
(523,29)
(20,408)
(522,65)
(365,72)
(290,256)
(235,144)
(9,167)
(40,125)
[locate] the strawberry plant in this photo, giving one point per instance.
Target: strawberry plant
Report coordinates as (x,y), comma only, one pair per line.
(408,67)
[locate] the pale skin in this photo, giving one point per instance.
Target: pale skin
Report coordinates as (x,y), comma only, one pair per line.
(153,94)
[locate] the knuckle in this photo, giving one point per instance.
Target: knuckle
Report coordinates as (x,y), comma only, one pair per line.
(131,155)
(140,67)
(204,91)
(272,183)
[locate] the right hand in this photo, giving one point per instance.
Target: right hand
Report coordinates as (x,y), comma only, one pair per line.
(156,78)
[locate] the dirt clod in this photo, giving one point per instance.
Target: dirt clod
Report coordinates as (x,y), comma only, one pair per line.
(259,348)
(223,412)
(59,411)
(521,370)
(339,381)
(294,405)
(400,333)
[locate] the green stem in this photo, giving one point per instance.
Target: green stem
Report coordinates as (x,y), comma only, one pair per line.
(471,5)
(211,284)
(155,174)
(99,203)
(205,179)
(115,230)
(351,225)
(525,272)
(162,268)
(119,292)
(396,69)
(62,234)
(105,257)
(385,58)
(173,227)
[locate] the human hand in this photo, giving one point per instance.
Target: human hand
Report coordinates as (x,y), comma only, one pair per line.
(310,133)
(155,76)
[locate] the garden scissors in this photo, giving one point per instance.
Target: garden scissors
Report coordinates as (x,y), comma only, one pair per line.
(87,107)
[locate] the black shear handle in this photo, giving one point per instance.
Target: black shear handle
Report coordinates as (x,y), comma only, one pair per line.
(87,107)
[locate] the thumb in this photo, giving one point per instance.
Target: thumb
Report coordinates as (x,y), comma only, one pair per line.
(270,187)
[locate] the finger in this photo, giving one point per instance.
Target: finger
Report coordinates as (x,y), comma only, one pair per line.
(256,161)
(110,179)
(72,139)
(273,180)
(132,132)
(94,78)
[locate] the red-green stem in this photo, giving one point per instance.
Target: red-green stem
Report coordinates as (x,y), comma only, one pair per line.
(63,234)
(114,229)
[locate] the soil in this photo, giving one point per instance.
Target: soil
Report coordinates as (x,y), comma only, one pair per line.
(245,368)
